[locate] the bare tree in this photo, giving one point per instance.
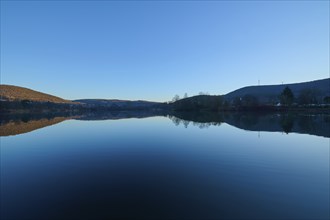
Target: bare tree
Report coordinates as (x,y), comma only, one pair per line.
(176,98)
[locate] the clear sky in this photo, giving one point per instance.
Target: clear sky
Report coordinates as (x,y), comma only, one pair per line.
(154,50)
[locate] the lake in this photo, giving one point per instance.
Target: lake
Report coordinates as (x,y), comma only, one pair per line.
(185,166)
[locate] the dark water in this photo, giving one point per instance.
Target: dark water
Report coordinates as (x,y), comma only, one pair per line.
(237,167)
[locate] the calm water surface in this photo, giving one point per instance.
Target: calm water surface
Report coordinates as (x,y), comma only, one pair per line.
(152,168)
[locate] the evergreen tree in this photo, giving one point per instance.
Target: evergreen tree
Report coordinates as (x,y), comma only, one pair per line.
(286,97)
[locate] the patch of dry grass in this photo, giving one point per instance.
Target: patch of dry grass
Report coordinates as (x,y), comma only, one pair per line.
(16,93)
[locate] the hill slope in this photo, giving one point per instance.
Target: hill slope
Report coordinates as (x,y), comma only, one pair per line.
(199,102)
(16,93)
(271,92)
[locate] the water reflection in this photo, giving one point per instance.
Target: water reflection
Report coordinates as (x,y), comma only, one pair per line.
(286,122)
(151,169)
(318,125)
(13,124)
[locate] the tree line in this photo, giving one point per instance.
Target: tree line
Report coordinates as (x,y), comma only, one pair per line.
(286,98)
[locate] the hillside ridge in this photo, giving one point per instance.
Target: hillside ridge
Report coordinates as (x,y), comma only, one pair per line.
(17,93)
(266,93)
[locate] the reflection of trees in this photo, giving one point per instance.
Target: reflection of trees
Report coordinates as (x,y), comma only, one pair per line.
(246,120)
(308,123)
(326,118)
(186,123)
(289,122)
(177,121)
(250,120)
(256,121)
(286,122)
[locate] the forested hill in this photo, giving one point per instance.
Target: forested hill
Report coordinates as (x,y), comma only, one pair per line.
(16,93)
(270,93)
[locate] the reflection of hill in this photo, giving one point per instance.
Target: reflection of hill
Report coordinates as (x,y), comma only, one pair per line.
(13,124)
(114,115)
(315,125)
(20,127)
(306,124)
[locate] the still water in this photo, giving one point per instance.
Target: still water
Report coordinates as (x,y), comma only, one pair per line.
(162,168)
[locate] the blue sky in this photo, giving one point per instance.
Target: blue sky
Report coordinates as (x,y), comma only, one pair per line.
(154,50)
